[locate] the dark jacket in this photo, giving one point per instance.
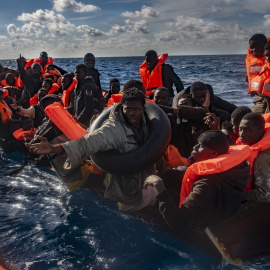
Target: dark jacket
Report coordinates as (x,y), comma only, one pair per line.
(169,78)
(95,75)
(39,116)
(32,83)
(84,100)
(213,199)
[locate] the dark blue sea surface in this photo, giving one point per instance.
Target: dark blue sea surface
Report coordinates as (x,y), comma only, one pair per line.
(43,226)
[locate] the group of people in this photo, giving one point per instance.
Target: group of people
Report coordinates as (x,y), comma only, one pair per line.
(217,155)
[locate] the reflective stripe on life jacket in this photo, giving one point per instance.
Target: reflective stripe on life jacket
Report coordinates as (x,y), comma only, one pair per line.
(260,146)
(66,93)
(235,156)
(153,79)
(43,69)
(64,121)
(5,112)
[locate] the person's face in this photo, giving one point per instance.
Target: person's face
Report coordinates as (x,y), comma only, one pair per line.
(43,58)
(41,95)
(200,153)
(257,48)
(249,133)
(79,74)
(65,83)
(161,98)
(46,86)
(235,126)
(267,55)
(185,102)
(10,80)
(133,111)
(200,96)
(151,61)
(90,61)
(115,87)
(36,69)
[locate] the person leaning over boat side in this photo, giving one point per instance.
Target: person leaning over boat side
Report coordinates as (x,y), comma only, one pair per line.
(125,130)
(155,73)
(212,197)
(254,132)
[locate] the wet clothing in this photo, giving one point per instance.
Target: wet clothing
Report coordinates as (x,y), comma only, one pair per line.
(260,191)
(84,100)
(116,134)
(213,199)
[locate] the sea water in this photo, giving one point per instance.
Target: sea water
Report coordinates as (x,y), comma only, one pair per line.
(43,226)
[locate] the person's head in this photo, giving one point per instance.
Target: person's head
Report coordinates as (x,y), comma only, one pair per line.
(133,106)
(161,96)
(66,81)
(48,100)
(41,94)
(211,144)
(251,128)
(185,100)
(267,51)
(49,67)
(237,116)
(43,58)
(10,79)
(27,123)
(198,91)
(151,59)
(133,83)
(47,84)
(36,69)
(256,44)
(227,129)
(114,86)
(14,125)
(89,60)
(80,72)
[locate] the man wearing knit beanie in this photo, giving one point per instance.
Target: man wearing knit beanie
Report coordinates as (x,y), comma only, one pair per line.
(210,195)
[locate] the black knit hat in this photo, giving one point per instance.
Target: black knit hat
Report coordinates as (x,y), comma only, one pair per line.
(215,140)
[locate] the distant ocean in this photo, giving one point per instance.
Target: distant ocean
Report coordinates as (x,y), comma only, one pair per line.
(42,226)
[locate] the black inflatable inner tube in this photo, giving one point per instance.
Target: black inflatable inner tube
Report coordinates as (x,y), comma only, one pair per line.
(145,155)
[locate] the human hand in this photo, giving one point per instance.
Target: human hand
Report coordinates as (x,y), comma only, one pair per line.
(21,62)
(42,148)
(212,121)
(14,105)
(156,182)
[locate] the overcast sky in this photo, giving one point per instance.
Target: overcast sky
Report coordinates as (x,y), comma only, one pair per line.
(67,28)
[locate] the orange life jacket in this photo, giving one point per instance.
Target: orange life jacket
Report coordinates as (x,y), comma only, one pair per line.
(5,93)
(66,93)
(153,79)
(43,69)
(5,112)
(222,163)
(173,157)
(18,83)
(266,117)
(19,133)
(28,64)
(64,121)
(55,73)
(33,100)
(54,88)
(115,98)
(260,146)
(261,83)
